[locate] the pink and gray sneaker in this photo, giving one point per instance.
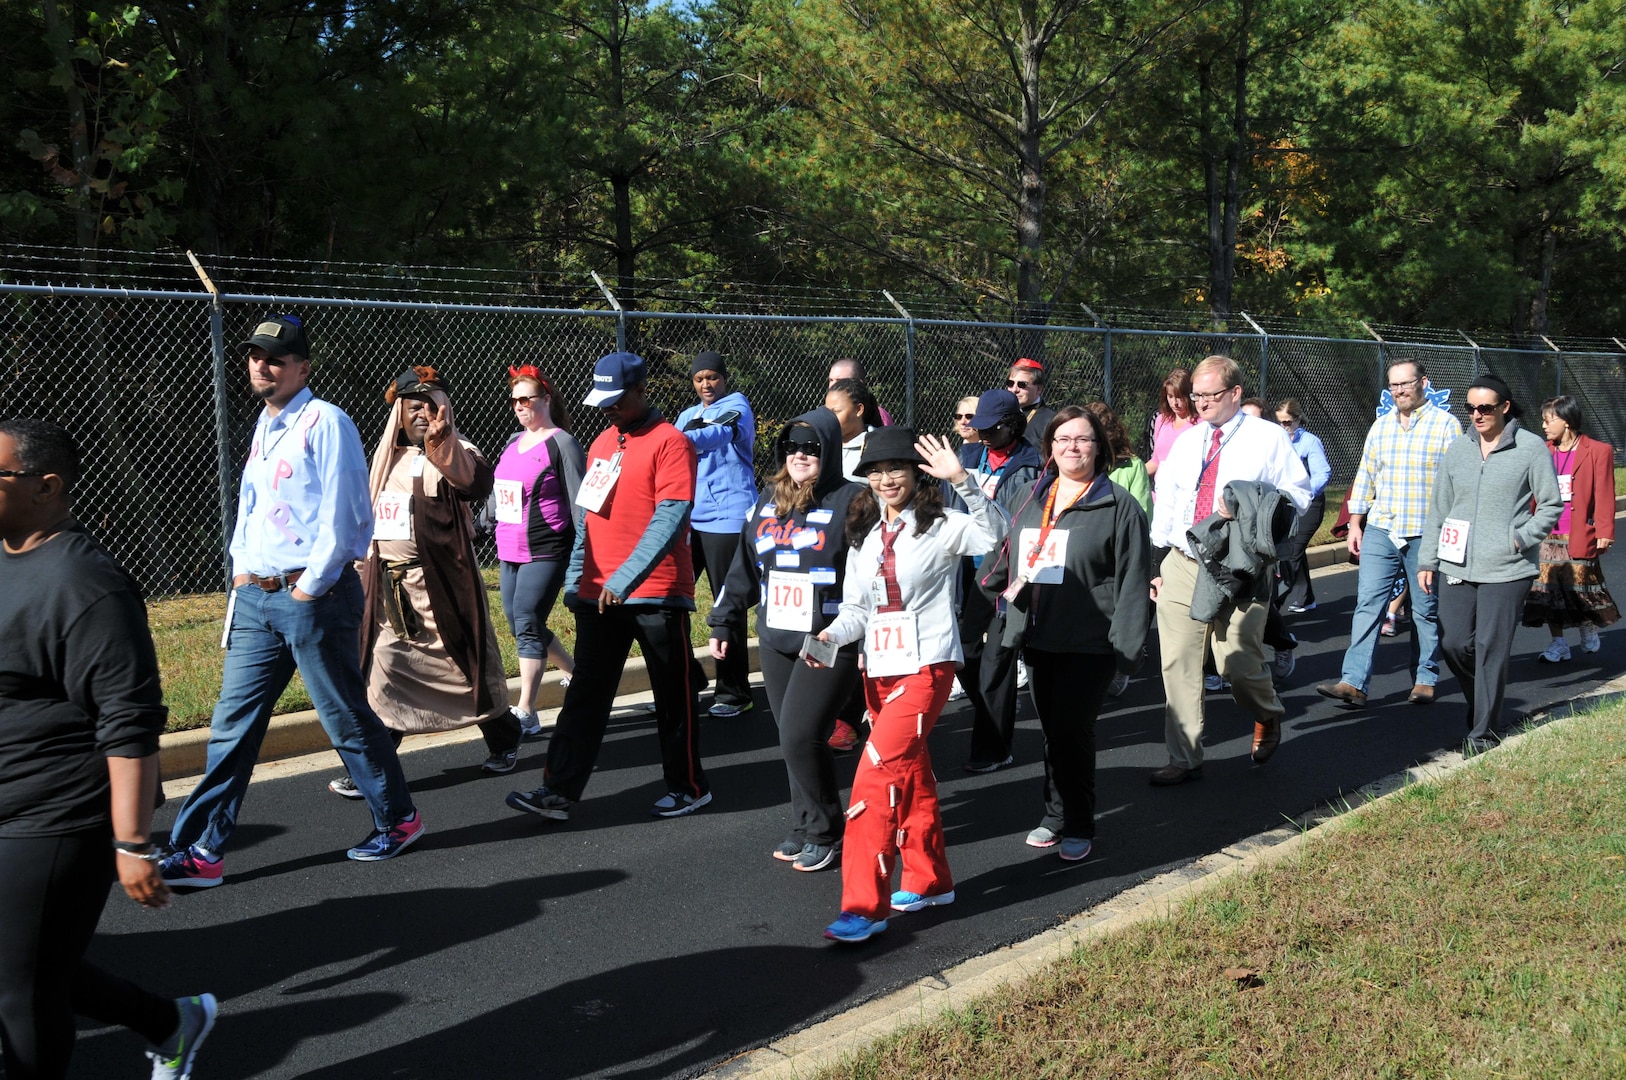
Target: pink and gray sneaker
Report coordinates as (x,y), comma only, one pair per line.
(189,870)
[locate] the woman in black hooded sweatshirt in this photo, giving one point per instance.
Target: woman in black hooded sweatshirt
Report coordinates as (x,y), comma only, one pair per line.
(790,563)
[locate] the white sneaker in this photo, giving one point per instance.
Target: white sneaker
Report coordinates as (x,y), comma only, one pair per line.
(1282,666)
(1590,641)
(1557,652)
(957,692)
(1021,675)
(1215,685)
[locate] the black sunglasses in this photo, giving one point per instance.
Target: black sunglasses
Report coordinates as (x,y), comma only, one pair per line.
(1485,410)
(7,474)
(804,447)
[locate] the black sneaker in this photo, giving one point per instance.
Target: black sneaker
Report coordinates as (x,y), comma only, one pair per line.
(541,802)
(980,767)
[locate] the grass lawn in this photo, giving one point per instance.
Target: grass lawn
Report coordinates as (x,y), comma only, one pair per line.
(1469,927)
(186,631)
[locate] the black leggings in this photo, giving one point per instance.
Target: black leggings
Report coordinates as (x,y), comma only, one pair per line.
(51,897)
(805,702)
(1068,689)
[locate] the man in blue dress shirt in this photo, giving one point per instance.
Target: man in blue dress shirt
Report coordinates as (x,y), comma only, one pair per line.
(302,519)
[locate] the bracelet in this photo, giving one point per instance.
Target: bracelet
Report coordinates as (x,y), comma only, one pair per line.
(146,852)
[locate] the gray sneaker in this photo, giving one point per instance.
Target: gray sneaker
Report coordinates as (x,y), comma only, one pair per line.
(1281,668)
(173,1060)
(529,726)
(1043,838)
(344,787)
(501,763)
(816,857)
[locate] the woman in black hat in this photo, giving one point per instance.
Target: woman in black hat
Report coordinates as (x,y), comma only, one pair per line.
(898,599)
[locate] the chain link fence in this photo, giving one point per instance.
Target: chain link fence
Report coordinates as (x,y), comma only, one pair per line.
(152,385)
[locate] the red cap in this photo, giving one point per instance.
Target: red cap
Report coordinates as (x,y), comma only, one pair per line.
(1025,362)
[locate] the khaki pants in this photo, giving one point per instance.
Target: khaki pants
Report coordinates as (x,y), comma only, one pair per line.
(1237,638)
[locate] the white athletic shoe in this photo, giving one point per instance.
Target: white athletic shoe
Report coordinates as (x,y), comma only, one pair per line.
(1557,652)
(1590,641)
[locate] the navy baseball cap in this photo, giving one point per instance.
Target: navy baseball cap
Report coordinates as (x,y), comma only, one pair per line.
(281,335)
(994,407)
(611,377)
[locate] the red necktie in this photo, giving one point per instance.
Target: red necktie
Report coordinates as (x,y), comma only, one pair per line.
(1205,482)
(889,567)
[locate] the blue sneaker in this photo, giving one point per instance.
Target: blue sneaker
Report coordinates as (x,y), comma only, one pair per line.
(389,843)
(173,1060)
(913,901)
(853,928)
(1075,848)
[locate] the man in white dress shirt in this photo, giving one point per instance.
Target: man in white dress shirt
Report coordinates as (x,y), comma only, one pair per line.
(1228,445)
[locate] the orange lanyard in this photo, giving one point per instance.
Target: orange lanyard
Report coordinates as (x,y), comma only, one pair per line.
(1046,523)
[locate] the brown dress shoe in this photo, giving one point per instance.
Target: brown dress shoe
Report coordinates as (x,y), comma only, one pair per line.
(1342,691)
(1266,737)
(1172,774)
(1421,695)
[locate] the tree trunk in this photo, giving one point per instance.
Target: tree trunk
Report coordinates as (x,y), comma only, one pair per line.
(1030,198)
(61,37)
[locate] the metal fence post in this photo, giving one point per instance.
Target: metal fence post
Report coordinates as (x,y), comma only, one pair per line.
(1558,372)
(908,360)
(620,315)
(217,341)
(1264,357)
(1383,368)
(1475,345)
(1106,370)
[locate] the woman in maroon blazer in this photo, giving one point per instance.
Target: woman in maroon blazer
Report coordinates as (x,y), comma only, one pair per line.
(1571,589)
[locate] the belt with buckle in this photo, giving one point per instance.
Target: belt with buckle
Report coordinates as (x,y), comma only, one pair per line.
(276,582)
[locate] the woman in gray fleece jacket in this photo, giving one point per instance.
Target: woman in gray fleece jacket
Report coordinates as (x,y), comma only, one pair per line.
(1495,500)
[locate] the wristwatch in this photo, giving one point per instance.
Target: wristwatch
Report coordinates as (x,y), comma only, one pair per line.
(144,851)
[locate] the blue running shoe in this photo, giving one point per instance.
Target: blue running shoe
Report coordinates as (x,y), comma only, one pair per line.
(913,901)
(852,928)
(1075,848)
(173,1060)
(389,843)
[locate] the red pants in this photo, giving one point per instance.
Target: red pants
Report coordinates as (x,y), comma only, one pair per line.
(894,798)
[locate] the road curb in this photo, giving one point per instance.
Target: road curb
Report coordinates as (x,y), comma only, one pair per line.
(836,1040)
(183,753)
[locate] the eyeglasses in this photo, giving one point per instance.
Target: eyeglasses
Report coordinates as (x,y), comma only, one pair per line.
(893,470)
(1406,383)
(524,400)
(1215,396)
(1289,422)
(807,449)
(1072,440)
(964,415)
(7,474)
(1485,410)
(1016,384)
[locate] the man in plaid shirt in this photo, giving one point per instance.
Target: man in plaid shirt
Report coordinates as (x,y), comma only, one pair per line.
(1387,504)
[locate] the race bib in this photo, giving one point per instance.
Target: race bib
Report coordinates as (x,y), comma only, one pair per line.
(1564,481)
(597,484)
(392,516)
(892,645)
(790,601)
(510,502)
(1454,540)
(1042,566)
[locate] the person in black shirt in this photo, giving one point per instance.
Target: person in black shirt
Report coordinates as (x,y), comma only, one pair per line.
(80,714)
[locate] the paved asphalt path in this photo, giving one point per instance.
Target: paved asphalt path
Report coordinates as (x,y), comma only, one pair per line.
(620,945)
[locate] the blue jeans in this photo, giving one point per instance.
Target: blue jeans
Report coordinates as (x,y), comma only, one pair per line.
(271,635)
(1381,564)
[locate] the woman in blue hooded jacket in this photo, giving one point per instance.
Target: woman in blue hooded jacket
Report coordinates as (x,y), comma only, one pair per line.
(724,435)
(791,560)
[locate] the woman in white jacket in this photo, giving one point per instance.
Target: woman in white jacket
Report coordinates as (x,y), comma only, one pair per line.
(898,597)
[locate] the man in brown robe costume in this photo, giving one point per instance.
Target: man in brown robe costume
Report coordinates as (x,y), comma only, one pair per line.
(428,649)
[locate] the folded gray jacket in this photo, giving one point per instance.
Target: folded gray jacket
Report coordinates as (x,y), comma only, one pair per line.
(1236,556)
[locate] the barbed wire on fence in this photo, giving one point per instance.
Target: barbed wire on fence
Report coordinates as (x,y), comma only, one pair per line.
(148,373)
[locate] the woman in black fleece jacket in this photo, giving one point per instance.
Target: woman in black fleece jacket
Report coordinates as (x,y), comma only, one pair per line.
(1080,557)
